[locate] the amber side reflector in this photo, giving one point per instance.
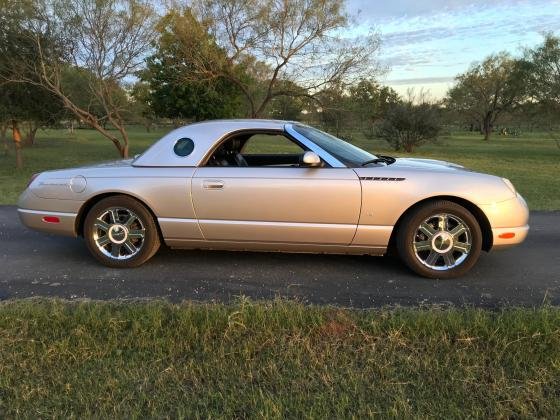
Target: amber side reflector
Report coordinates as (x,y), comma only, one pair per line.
(51,219)
(507,235)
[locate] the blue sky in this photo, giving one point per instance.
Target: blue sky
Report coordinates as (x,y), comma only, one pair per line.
(425,43)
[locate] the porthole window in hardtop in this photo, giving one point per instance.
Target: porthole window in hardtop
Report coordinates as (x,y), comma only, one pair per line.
(183,147)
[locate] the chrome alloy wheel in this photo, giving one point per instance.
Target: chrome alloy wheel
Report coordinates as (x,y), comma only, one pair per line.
(119,233)
(442,242)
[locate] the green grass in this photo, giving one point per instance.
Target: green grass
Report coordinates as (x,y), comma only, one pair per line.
(532,161)
(275,360)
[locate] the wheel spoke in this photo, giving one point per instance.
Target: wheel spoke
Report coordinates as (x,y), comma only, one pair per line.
(101,224)
(103,240)
(443,222)
(448,259)
(136,234)
(132,218)
(432,258)
(116,250)
(427,230)
(114,216)
(423,246)
(458,230)
(462,247)
(130,247)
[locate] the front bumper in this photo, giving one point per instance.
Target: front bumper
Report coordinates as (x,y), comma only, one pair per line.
(509,221)
(49,221)
(507,237)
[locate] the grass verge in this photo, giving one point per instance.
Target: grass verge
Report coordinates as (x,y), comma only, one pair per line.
(274,360)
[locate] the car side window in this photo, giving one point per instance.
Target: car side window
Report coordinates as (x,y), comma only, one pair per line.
(270,144)
(183,147)
(255,149)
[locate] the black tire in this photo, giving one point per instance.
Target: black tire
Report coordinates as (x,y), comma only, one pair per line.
(143,224)
(409,229)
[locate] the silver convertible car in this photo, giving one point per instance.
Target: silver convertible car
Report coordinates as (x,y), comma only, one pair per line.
(278,186)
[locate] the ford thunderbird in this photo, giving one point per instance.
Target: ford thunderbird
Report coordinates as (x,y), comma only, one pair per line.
(278,186)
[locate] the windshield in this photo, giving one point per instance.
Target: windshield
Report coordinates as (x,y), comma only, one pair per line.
(347,153)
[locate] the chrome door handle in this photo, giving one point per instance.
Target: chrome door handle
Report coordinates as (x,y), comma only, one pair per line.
(213,184)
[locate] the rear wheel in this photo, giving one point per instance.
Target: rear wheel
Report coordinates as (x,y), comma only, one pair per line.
(120,232)
(439,239)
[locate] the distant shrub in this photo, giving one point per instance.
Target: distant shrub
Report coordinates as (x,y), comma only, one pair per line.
(407,125)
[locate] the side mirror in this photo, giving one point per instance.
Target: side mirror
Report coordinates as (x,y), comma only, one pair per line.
(311,159)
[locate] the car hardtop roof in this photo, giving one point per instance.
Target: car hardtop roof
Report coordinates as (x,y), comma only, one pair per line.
(204,134)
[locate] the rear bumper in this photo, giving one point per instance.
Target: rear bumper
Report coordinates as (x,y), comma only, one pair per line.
(49,221)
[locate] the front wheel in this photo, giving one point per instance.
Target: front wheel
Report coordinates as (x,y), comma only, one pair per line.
(439,240)
(120,232)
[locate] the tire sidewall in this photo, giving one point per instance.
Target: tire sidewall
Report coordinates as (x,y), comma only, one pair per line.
(406,235)
(151,238)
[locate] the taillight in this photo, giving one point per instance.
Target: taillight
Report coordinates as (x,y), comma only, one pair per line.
(33,176)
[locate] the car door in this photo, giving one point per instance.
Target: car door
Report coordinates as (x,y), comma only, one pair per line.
(277,204)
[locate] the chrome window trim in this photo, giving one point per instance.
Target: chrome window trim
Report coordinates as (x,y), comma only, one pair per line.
(323,154)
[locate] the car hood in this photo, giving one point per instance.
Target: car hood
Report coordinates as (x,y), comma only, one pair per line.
(427,165)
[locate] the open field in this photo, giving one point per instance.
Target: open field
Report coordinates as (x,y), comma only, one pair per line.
(531,161)
(275,360)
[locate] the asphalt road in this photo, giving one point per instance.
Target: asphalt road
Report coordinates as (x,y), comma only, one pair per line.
(36,264)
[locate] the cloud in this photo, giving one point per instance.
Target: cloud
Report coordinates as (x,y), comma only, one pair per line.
(437,39)
(420,81)
(410,8)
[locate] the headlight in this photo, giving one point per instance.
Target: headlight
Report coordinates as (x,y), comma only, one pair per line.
(509,185)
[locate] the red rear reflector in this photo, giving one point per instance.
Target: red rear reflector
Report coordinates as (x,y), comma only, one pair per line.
(51,219)
(507,235)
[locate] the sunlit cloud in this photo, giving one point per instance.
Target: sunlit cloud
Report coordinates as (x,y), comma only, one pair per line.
(427,43)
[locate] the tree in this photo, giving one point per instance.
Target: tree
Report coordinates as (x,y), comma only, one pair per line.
(255,44)
(20,112)
(543,66)
(334,109)
(172,92)
(140,108)
(410,123)
(289,107)
(370,103)
(106,38)
(488,90)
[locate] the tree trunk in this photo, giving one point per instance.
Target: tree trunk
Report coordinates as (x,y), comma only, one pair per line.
(16,135)
(487,129)
(30,135)
(3,130)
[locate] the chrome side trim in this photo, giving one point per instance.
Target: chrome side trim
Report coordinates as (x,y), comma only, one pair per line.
(372,235)
(327,157)
(180,228)
(274,247)
(47,213)
(283,224)
(176,220)
(288,232)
